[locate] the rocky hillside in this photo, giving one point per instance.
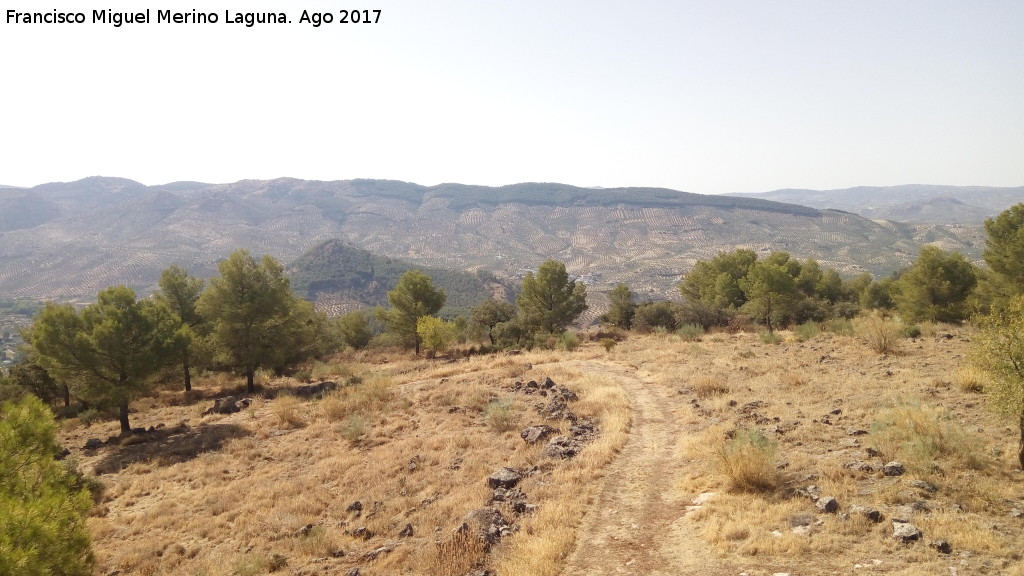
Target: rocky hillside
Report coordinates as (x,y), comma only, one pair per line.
(341,278)
(69,240)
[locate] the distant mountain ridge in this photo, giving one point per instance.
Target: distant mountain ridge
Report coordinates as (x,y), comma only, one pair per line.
(69,240)
(917,203)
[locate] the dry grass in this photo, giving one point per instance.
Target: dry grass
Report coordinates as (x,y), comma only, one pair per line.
(880,334)
(415,439)
(748,459)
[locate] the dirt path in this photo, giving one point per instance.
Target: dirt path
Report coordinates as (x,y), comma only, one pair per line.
(637,525)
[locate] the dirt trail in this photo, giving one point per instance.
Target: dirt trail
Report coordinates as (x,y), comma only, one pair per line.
(637,524)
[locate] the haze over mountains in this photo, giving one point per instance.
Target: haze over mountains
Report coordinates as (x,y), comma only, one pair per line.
(69,240)
(910,203)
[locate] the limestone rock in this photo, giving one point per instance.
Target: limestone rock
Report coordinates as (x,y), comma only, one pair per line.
(534,434)
(905,532)
(504,478)
(893,469)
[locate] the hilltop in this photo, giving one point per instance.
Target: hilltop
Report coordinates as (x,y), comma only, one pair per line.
(69,240)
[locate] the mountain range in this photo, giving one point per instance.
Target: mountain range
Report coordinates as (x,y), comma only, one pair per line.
(68,240)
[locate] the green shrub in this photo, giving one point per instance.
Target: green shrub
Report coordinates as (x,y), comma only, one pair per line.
(353,428)
(840,326)
(89,417)
(911,331)
(43,506)
(690,332)
(880,334)
(806,331)
(568,340)
(608,344)
(770,338)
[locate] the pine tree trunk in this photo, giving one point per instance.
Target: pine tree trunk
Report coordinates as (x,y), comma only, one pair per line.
(250,381)
(188,375)
(123,414)
(67,396)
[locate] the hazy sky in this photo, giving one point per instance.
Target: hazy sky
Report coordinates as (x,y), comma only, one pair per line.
(710,97)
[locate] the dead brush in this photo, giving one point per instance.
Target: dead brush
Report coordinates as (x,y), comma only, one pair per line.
(288,410)
(970,379)
(456,556)
(748,461)
(709,386)
(880,334)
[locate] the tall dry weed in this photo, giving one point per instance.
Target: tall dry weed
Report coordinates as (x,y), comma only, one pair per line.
(748,460)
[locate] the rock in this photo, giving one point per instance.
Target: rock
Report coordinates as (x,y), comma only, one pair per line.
(893,469)
(362,532)
(532,384)
(812,492)
(942,546)
(903,514)
(504,478)
(548,384)
(1016,513)
(521,507)
(276,562)
(567,394)
(375,553)
(406,532)
(534,434)
(353,572)
(905,532)
(856,431)
(338,554)
(583,430)
(356,506)
(507,495)
(488,524)
(872,452)
(93,443)
(225,405)
(827,504)
(871,514)
(304,531)
(924,485)
(562,447)
(858,466)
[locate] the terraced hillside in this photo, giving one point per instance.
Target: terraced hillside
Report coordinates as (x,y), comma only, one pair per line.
(95,232)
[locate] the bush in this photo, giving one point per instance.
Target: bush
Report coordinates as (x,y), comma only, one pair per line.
(840,326)
(42,504)
(880,334)
(288,410)
(354,427)
(911,331)
(691,332)
(771,338)
(568,340)
(924,436)
(806,331)
(500,416)
(748,460)
(608,344)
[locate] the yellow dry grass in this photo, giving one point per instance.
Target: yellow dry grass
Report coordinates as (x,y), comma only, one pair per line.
(414,440)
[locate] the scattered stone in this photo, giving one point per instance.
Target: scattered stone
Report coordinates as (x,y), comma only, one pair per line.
(924,485)
(856,431)
(583,430)
(304,531)
(532,384)
(504,478)
(315,390)
(406,532)
(548,384)
(567,394)
(562,447)
(905,532)
(375,553)
(893,469)
(859,466)
(812,492)
(93,443)
(534,434)
(827,504)
(353,572)
(521,507)
(943,546)
(872,452)
(356,507)
(362,532)
(871,514)
(507,495)
(414,463)
(902,514)
(1016,513)
(338,554)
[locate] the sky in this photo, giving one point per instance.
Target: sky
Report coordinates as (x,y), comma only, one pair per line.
(709,97)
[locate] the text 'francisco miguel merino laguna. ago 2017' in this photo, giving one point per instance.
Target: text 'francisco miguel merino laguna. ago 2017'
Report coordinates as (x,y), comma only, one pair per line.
(118,19)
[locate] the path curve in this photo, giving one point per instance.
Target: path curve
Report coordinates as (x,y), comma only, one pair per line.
(637,524)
